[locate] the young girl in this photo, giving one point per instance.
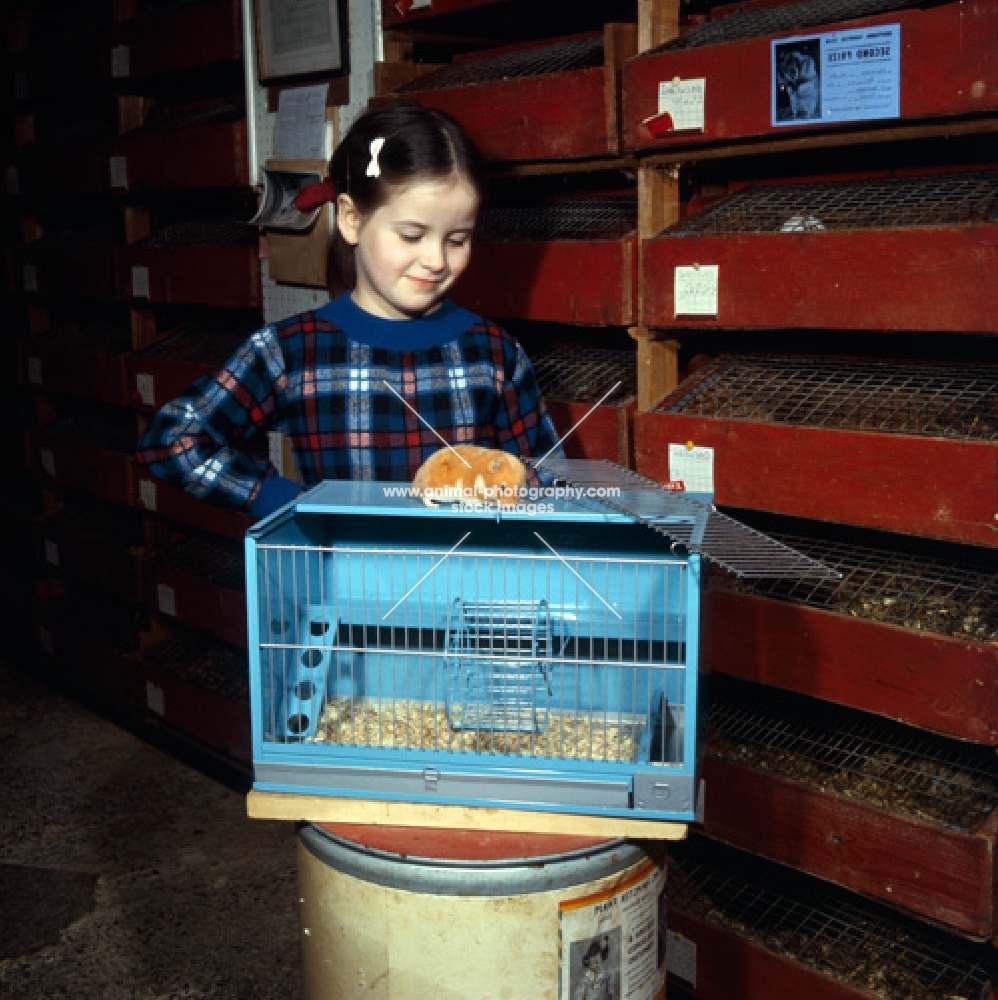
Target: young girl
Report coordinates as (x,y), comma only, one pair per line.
(364,385)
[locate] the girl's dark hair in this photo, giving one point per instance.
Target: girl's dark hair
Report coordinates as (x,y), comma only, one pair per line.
(420,144)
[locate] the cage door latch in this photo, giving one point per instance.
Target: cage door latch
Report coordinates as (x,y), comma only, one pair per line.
(430,778)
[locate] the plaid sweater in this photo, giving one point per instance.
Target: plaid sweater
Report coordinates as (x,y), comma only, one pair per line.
(351,391)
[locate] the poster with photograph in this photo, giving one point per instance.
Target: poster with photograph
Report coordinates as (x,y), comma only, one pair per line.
(837,76)
(612,942)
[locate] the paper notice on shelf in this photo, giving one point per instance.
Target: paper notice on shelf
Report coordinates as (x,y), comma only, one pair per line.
(47,458)
(117,168)
(681,957)
(51,552)
(147,494)
(155,699)
(695,290)
(30,278)
(277,200)
(13,180)
(694,466)
(612,943)
(166,598)
(683,101)
(140,281)
(145,386)
(300,129)
(837,76)
(48,643)
(120,62)
(35,371)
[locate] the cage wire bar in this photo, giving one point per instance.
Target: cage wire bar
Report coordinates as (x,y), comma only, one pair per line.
(914,591)
(604,218)
(904,771)
(581,374)
(932,400)
(689,522)
(744,24)
(495,671)
(826,930)
(954,198)
(559,57)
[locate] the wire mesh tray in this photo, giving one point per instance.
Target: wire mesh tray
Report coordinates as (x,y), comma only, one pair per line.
(199,343)
(780,19)
(96,525)
(102,338)
(224,113)
(206,664)
(559,57)
(108,430)
(580,374)
(219,564)
(924,593)
(877,762)
(958,198)
(203,232)
(956,402)
(829,931)
(584,219)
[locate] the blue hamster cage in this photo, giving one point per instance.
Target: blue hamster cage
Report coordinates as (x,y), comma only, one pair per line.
(541,657)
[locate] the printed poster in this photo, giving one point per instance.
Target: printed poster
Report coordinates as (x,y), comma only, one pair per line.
(837,76)
(612,943)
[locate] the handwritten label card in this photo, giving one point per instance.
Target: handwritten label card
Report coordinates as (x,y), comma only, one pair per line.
(695,290)
(140,281)
(145,386)
(694,466)
(147,494)
(167,599)
(117,168)
(300,129)
(683,101)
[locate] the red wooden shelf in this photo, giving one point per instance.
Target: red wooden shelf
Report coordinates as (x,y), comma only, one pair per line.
(575,381)
(192,148)
(94,637)
(212,263)
(839,440)
(87,361)
(902,634)
(569,262)
(901,816)
(68,163)
(912,253)
(177,38)
(158,373)
(740,928)
(174,504)
(200,582)
(73,264)
(97,544)
(90,452)
(545,101)
(198,686)
(947,72)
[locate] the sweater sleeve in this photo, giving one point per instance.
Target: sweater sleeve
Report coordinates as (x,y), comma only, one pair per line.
(199,441)
(522,423)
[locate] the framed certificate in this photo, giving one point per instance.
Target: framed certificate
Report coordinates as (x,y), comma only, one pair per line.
(298,38)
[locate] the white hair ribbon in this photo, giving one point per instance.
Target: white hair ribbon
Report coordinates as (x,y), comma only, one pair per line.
(374,168)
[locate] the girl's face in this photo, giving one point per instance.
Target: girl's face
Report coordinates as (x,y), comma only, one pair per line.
(410,251)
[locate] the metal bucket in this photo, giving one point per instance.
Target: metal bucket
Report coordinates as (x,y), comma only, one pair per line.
(408,914)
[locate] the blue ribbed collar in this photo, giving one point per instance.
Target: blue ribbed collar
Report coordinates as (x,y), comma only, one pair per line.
(441,326)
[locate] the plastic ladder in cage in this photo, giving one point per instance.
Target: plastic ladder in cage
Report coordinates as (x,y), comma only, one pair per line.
(498,677)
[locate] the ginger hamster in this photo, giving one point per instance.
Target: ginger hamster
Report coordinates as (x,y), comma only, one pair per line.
(490,476)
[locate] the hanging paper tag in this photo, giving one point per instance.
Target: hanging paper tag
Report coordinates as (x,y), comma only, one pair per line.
(140,281)
(145,386)
(683,101)
(695,291)
(147,494)
(117,168)
(120,62)
(155,699)
(167,599)
(47,458)
(694,466)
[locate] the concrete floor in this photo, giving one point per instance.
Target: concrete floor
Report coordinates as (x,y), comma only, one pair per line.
(126,874)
